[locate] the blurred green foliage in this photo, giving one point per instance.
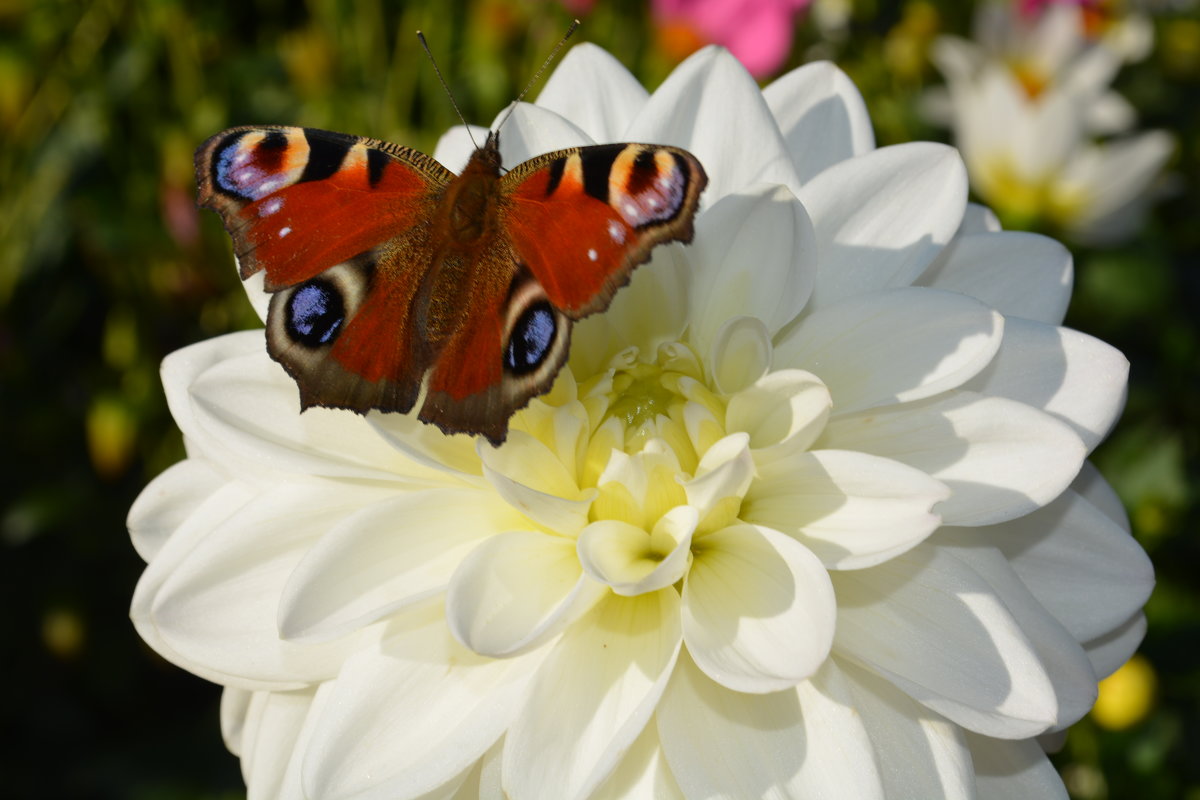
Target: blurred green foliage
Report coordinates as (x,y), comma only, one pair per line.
(106,266)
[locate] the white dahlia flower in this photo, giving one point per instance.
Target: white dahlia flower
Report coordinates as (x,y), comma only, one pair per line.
(1026,103)
(807,515)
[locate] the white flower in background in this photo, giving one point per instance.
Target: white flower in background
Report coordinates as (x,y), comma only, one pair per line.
(803,517)
(1026,104)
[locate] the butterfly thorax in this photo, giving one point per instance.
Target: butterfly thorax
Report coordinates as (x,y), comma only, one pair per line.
(469,199)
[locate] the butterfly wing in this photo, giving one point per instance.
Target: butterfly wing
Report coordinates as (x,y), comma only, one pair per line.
(571,226)
(338,224)
(582,219)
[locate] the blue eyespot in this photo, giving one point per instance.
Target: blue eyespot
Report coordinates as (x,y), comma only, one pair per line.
(315,313)
(531,339)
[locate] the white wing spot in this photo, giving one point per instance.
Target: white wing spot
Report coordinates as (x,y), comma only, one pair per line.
(616,231)
(653,202)
(284,232)
(592,254)
(271,206)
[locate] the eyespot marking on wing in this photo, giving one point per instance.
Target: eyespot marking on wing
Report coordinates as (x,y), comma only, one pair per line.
(315,313)
(648,186)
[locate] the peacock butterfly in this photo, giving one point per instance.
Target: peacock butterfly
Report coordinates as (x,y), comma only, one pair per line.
(391,275)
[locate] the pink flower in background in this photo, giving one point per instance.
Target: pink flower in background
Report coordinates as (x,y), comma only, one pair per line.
(757,32)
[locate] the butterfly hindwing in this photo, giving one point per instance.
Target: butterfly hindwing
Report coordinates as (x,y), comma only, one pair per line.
(334,221)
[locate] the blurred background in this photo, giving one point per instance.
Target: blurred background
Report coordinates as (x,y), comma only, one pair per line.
(106,266)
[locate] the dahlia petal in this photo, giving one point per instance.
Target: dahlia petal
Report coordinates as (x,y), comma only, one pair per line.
(210,600)
(852,510)
(1006,770)
(526,473)
(533,130)
(1065,661)
(1075,377)
(1092,487)
(979,219)
(1001,459)
(1108,652)
(235,705)
(454,148)
(592,697)
(385,556)
(753,256)
(168,500)
(632,560)
(741,354)
(893,346)
(805,741)
(426,444)
(1018,274)
(919,753)
(937,629)
(490,787)
(649,312)
(712,106)
(277,728)
(758,609)
(1083,567)
(410,715)
(882,218)
(613,99)
(495,609)
(822,117)
(783,412)
(725,472)
(248,405)
(642,774)
(182,367)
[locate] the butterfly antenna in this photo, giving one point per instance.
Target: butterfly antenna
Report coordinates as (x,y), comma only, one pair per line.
(438,72)
(538,74)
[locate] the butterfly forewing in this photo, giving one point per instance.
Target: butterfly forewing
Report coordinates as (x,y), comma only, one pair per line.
(582,219)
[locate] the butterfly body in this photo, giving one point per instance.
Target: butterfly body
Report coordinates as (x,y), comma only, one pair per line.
(391,275)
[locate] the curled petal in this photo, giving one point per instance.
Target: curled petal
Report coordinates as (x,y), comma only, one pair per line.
(1001,459)
(385,556)
(1018,274)
(758,609)
(893,346)
(633,560)
(494,608)
(592,696)
(784,412)
(613,100)
(741,354)
(883,217)
(413,712)
(942,632)
(852,510)
(1075,377)
(805,741)
(822,116)
(1007,770)
(753,256)
(707,105)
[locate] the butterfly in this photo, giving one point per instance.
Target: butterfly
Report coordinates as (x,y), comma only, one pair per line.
(393,279)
